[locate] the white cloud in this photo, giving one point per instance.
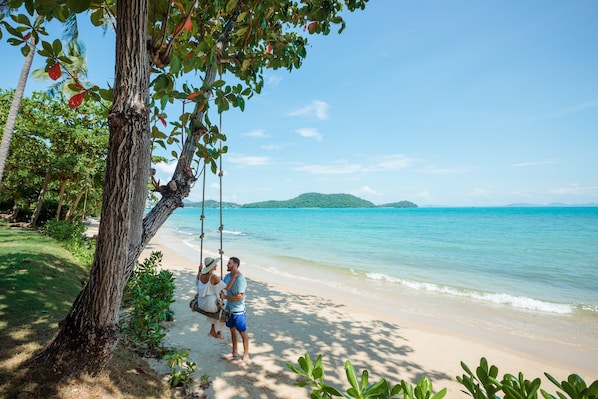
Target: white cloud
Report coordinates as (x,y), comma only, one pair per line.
(317,109)
(248,161)
(534,163)
(365,190)
(165,168)
(574,189)
(391,162)
(273,147)
(273,80)
(256,133)
(386,163)
(310,133)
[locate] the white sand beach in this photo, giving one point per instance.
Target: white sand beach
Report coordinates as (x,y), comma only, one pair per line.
(395,339)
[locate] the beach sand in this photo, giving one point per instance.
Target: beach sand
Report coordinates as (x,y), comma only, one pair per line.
(397,340)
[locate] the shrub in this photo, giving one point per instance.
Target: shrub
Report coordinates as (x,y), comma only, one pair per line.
(149,294)
(71,235)
(181,369)
(62,230)
(481,385)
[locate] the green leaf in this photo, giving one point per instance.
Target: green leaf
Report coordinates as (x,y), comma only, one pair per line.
(57,46)
(78,6)
(25,50)
(440,394)
(351,375)
(22,19)
(231,5)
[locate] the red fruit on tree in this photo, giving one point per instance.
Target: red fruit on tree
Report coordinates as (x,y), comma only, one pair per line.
(76,100)
(312,27)
(54,72)
(188,25)
(163,121)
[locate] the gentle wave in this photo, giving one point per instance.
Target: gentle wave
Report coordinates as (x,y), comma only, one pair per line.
(233,232)
(518,302)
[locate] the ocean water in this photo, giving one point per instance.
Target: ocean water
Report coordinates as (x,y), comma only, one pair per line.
(542,260)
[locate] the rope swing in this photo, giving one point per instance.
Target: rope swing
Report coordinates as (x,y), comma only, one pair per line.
(221,314)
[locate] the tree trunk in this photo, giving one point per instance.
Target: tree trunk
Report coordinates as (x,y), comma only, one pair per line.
(60,198)
(87,337)
(74,205)
(40,200)
(11,119)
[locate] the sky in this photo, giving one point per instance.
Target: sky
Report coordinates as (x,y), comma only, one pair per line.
(442,103)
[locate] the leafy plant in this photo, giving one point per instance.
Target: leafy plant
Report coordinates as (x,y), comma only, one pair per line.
(148,293)
(313,374)
(181,368)
(71,236)
(483,384)
(62,230)
(575,387)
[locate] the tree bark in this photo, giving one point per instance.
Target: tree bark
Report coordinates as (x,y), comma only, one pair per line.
(40,200)
(60,198)
(87,337)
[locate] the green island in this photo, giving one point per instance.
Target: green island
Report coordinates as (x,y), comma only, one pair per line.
(307,200)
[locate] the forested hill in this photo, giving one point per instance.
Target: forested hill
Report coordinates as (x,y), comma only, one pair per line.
(308,200)
(316,200)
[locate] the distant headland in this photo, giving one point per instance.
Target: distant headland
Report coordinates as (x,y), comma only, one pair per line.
(307,200)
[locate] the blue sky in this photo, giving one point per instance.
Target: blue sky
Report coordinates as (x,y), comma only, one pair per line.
(460,103)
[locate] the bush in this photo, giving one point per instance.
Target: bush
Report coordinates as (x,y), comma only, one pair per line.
(481,385)
(62,230)
(71,235)
(149,294)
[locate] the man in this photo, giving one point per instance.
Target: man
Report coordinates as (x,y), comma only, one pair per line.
(235,304)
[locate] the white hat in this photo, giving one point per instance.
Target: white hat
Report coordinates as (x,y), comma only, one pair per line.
(209,263)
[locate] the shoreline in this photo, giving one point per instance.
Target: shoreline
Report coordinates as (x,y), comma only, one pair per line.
(422,335)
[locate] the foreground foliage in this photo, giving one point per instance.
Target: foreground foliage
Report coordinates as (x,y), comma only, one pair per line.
(483,384)
(148,293)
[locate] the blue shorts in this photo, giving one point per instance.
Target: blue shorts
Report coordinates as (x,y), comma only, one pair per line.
(238,321)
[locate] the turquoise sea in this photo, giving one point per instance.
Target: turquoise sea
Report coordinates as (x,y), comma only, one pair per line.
(542,260)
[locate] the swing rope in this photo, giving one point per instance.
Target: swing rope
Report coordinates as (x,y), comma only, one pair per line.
(203,216)
(220,175)
(221,314)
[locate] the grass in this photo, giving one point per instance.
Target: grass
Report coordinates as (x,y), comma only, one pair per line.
(39,280)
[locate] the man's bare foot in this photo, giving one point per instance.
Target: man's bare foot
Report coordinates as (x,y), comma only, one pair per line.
(244,364)
(229,356)
(215,335)
(219,335)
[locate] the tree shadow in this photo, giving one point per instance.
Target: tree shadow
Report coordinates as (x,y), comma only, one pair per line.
(283,326)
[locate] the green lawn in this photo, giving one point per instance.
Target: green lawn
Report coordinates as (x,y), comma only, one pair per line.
(39,281)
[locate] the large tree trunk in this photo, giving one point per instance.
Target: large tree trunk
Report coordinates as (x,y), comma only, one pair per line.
(11,119)
(87,337)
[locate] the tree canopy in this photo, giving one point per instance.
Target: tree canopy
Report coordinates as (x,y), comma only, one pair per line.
(210,55)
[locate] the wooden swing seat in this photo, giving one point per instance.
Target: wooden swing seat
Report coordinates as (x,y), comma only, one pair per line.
(220,315)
